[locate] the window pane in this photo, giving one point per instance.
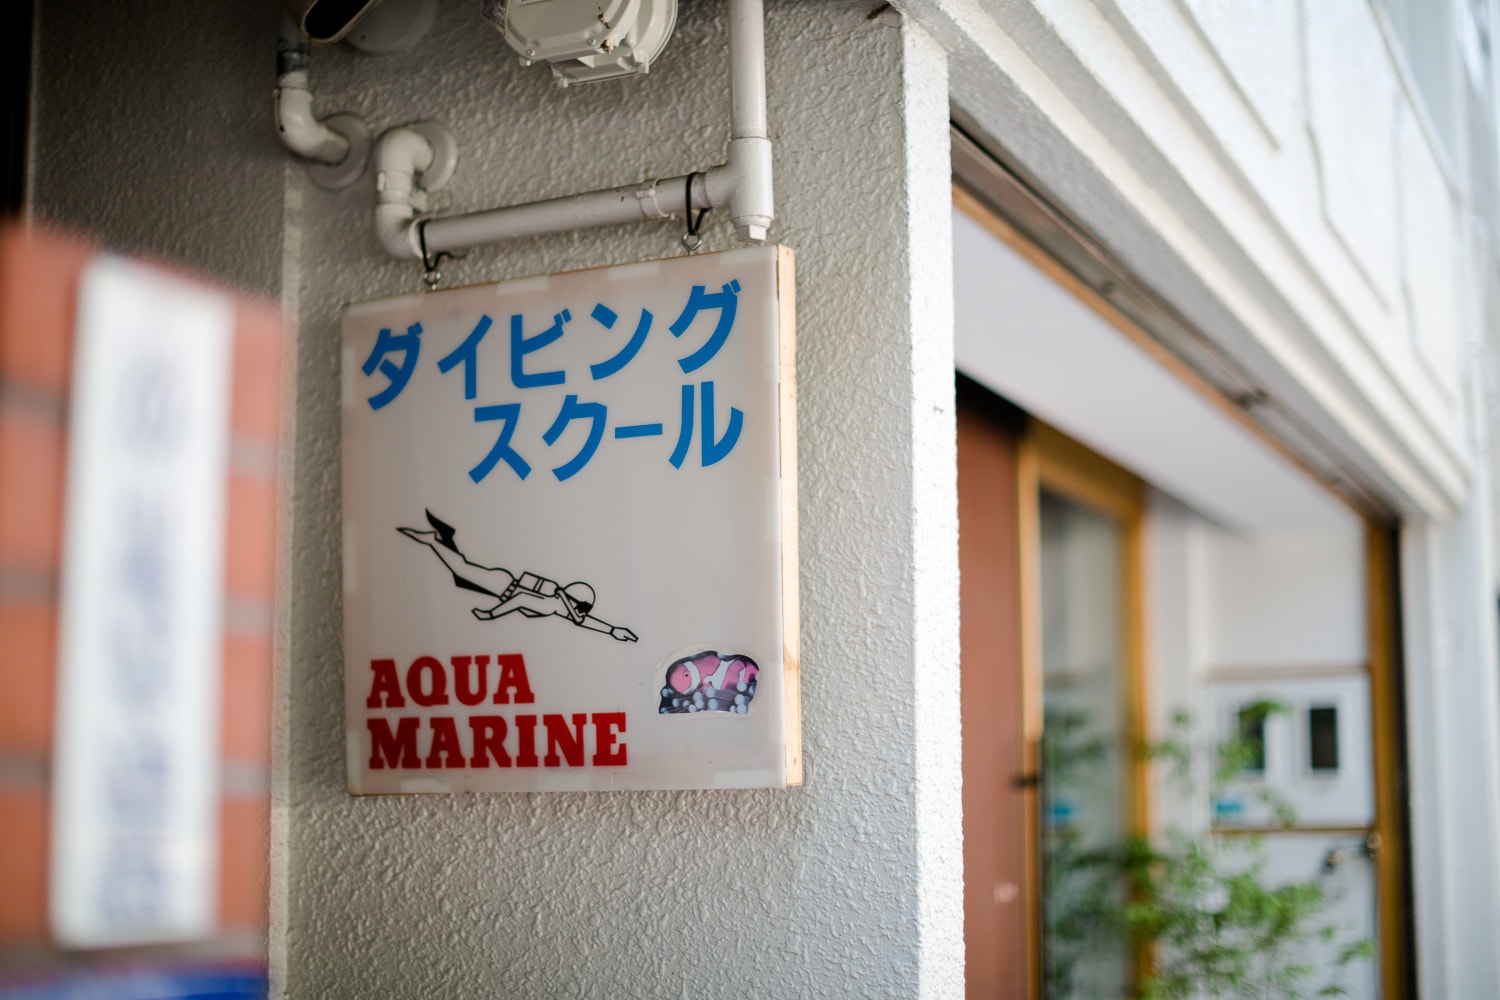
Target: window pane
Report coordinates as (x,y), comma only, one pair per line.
(1084,771)
(1253,736)
(1323,738)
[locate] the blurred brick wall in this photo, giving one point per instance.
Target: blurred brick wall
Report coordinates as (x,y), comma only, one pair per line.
(39,277)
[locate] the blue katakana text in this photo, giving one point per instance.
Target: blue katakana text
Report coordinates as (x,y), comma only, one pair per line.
(410,345)
(726,302)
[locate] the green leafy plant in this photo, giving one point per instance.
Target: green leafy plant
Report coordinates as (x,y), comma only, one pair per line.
(1192,907)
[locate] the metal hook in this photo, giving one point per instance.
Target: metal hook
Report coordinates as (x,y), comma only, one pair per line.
(430,273)
(691,240)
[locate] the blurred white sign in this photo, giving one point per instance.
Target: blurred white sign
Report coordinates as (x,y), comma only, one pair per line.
(569,531)
(135,810)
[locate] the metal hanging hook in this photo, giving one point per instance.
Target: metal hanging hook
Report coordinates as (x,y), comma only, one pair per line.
(431,276)
(691,240)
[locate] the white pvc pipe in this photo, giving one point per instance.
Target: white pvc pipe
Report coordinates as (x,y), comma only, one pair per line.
(750,198)
(401,155)
(301,130)
(631,203)
(747,69)
(742,184)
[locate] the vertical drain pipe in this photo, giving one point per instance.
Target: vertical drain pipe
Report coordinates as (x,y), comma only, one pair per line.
(742,184)
(338,145)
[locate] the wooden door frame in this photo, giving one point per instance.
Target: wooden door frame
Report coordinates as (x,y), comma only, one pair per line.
(1051,460)
(1396,941)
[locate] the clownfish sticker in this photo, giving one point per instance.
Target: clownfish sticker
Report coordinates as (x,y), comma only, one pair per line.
(708,682)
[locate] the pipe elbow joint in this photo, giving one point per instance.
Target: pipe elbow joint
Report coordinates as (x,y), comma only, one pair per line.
(396,229)
(750,193)
(410,161)
(337,146)
(402,150)
(303,132)
(400,156)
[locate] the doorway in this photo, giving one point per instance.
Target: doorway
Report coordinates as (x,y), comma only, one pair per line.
(1050,561)
(1229,579)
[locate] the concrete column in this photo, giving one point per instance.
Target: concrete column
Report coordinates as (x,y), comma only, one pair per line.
(850,886)
(1453,740)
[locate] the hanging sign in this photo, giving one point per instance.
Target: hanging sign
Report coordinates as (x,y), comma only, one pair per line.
(570,536)
(135,807)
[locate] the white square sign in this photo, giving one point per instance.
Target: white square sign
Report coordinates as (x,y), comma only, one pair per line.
(135,807)
(570,531)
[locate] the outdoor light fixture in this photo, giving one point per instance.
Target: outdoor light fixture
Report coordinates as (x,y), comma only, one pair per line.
(325,21)
(585,40)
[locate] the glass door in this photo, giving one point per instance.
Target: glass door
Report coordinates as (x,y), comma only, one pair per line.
(1049,540)
(1084,744)
(1085,680)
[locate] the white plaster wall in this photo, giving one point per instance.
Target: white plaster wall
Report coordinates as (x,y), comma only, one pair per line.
(1353,96)
(1356,189)
(1285,599)
(850,886)
(1176,637)
(1452,690)
(1022,334)
(1216,599)
(1432,265)
(1224,604)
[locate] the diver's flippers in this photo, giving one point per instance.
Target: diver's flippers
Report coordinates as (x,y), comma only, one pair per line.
(445,532)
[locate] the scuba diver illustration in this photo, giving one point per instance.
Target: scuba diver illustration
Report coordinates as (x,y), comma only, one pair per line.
(529,594)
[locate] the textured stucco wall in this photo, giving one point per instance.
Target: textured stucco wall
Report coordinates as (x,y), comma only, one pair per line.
(848,886)
(150,133)
(159,138)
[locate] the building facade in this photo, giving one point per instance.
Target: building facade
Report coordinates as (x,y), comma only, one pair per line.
(1301,198)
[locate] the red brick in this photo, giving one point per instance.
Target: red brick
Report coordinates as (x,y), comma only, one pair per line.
(28,676)
(38,293)
(31,491)
(256,400)
(246,732)
(250,548)
(244,863)
(24,823)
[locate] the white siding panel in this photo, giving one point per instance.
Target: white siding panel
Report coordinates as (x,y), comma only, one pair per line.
(1427,245)
(1258,45)
(1352,93)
